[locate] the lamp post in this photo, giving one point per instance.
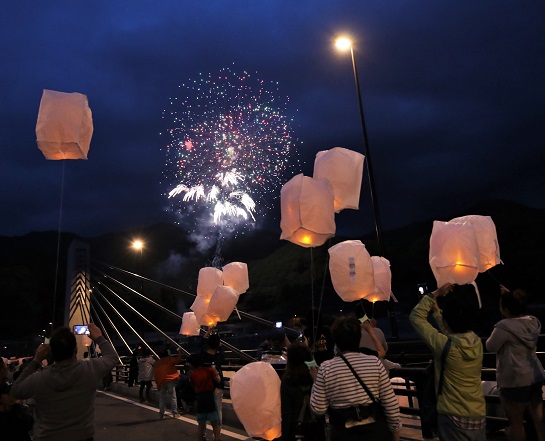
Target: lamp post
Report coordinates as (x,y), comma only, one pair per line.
(138,245)
(343,43)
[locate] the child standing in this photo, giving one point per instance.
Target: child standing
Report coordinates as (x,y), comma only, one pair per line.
(204,380)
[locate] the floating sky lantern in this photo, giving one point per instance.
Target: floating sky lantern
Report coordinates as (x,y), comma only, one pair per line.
(209,278)
(343,168)
(235,275)
(307,209)
(255,395)
(351,270)
(190,326)
(487,239)
(382,275)
(65,125)
(200,308)
(222,303)
(454,252)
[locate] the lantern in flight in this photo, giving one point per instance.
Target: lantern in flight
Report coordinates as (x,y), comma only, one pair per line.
(454,252)
(235,275)
(190,326)
(343,168)
(487,239)
(351,270)
(382,276)
(307,210)
(255,394)
(209,278)
(200,308)
(222,303)
(65,125)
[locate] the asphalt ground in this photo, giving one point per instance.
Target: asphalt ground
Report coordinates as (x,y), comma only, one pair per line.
(118,418)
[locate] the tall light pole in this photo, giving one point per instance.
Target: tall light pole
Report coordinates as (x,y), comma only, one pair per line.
(344,43)
(138,245)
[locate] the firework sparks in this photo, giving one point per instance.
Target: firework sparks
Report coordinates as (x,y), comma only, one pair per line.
(230,147)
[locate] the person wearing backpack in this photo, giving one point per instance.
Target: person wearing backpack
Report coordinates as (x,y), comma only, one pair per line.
(461,406)
(297,420)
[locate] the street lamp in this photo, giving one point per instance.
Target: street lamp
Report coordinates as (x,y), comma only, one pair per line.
(343,44)
(138,245)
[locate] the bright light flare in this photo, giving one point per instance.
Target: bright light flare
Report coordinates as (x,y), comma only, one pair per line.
(343,43)
(137,245)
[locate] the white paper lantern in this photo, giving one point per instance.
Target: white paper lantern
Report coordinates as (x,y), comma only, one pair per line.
(190,326)
(209,279)
(351,270)
(487,239)
(382,276)
(343,168)
(222,303)
(454,253)
(308,216)
(255,395)
(65,125)
(235,275)
(200,308)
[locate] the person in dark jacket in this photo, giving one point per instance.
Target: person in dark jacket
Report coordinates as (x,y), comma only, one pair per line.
(295,390)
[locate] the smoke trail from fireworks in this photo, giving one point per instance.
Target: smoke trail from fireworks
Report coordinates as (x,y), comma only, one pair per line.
(230,148)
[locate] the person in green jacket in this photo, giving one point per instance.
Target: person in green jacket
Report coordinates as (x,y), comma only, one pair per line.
(461,407)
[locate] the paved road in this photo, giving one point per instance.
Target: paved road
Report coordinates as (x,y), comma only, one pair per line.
(119,418)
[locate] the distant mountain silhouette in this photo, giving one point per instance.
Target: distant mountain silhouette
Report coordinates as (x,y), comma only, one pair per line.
(285,279)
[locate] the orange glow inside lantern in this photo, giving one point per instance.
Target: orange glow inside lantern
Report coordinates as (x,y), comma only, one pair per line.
(307,211)
(351,270)
(255,395)
(454,253)
(65,125)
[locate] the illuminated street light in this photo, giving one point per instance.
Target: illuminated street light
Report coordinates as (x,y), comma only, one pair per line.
(138,245)
(344,43)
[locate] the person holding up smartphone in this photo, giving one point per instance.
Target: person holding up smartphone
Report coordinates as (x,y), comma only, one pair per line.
(64,393)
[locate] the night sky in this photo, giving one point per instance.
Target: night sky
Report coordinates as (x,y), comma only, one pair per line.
(453,94)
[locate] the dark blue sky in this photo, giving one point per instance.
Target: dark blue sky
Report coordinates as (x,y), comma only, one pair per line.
(453,93)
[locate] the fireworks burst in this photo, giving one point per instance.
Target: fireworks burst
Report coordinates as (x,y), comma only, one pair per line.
(230,147)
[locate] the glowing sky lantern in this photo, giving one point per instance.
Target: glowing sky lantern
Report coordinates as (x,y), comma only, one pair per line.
(235,275)
(190,326)
(222,303)
(351,270)
(454,252)
(255,394)
(487,239)
(382,275)
(307,209)
(65,125)
(200,308)
(343,168)
(209,278)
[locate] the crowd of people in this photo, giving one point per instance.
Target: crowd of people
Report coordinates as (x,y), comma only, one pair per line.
(334,385)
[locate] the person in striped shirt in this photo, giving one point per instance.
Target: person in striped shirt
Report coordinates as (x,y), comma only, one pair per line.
(336,387)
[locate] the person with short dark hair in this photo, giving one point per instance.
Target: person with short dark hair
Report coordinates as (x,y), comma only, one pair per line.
(295,396)
(519,372)
(461,407)
(204,380)
(64,392)
(337,390)
(146,363)
(213,355)
(166,377)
